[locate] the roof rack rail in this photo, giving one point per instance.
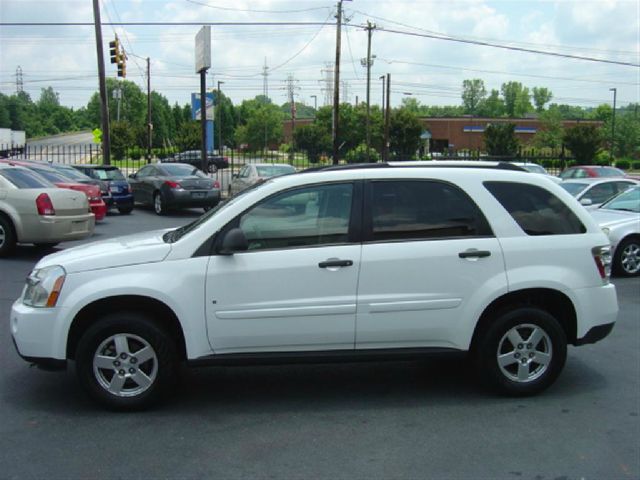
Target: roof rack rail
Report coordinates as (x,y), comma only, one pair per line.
(425,164)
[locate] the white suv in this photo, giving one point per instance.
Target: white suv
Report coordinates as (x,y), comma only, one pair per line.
(386,261)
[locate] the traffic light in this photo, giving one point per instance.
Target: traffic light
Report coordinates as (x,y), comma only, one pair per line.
(114,50)
(122,68)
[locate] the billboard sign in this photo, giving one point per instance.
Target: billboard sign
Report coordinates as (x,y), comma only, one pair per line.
(196,106)
(203,49)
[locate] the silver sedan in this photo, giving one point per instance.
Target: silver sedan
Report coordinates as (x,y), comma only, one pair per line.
(619,218)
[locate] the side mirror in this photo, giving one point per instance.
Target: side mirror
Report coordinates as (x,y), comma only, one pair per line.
(233,241)
(235,175)
(132,175)
(586,202)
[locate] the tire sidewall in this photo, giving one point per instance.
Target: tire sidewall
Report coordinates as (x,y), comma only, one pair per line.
(487,348)
(9,237)
(126,323)
(158,197)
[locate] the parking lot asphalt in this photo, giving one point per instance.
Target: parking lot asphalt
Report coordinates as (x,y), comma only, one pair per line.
(406,420)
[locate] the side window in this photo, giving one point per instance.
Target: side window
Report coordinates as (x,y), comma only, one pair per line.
(406,210)
(310,216)
(623,186)
(580,173)
(144,172)
(601,192)
(244,173)
(536,210)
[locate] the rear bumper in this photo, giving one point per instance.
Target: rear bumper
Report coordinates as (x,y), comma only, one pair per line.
(50,229)
(192,198)
(99,209)
(595,334)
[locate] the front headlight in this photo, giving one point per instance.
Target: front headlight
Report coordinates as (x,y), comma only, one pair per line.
(43,287)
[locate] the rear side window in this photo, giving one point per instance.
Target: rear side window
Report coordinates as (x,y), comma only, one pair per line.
(422,210)
(536,210)
(25,179)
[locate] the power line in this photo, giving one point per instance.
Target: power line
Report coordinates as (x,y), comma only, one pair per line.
(254,11)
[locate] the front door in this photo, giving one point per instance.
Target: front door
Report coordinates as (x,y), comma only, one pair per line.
(294,289)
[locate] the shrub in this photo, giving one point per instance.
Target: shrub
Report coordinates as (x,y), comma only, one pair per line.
(359,155)
(623,164)
(635,165)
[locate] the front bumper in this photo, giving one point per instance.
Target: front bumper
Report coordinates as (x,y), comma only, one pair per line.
(36,333)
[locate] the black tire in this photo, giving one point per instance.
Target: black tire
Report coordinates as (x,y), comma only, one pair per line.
(520,374)
(7,236)
(46,245)
(125,210)
(626,259)
(125,374)
(158,204)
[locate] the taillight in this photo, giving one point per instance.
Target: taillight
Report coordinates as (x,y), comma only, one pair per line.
(44,205)
(216,184)
(602,257)
(172,184)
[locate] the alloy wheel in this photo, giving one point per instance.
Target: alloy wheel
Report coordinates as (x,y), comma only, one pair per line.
(125,365)
(524,353)
(630,258)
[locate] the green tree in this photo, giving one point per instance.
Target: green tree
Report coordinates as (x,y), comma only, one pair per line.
(122,138)
(262,122)
(404,132)
(164,126)
(584,141)
(500,139)
(412,105)
(5,119)
(516,99)
(473,94)
(627,138)
(227,112)
(188,136)
(541,96)
(492,106)
(314,140)
(133,104)
(551,131)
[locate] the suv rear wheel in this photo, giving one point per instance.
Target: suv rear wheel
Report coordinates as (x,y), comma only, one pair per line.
(522,351)
(125,361)
(7,236)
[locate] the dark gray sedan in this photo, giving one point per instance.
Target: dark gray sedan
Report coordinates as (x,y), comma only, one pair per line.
(176,185)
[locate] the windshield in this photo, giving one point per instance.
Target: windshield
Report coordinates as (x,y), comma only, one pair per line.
(53,177)
(610,172)
(176,170)
(573,188)
(628,201)
(24,178)
(72,173)
(267,171)
(109,174)
(178,233)
(532,167)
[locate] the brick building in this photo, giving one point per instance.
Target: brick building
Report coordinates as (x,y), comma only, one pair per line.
(463,133)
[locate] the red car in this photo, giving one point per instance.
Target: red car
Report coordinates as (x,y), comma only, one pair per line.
(591,171)
(98,207)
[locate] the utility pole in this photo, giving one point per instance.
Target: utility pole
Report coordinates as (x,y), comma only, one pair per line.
(292,102)
(149,124)
(336,87)
(219,102)
(19,81)
(387,120)
(265,94)
(370,26)
(104,106)
(315,103)
(613,124)
(382,77)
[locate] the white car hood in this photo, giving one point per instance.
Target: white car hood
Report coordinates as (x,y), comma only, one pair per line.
(611,218)
(147,247)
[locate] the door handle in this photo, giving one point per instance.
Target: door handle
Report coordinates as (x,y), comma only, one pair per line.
(472,253)
(335,263)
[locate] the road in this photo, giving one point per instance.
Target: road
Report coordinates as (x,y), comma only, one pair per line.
(407,420)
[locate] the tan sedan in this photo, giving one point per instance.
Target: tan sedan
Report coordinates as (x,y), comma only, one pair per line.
(34,211)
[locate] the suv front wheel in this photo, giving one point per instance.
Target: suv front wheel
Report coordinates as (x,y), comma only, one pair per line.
(521,352)
(125,361)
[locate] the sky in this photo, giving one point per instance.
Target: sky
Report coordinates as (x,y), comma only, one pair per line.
(430,70)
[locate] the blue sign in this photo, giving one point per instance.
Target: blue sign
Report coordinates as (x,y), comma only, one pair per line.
(195,115)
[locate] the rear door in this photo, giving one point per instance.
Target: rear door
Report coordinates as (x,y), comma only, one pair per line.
(429,254)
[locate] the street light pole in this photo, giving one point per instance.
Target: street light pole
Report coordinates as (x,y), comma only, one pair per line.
(613,124)
(383,78)
(315,103)
(219,119)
